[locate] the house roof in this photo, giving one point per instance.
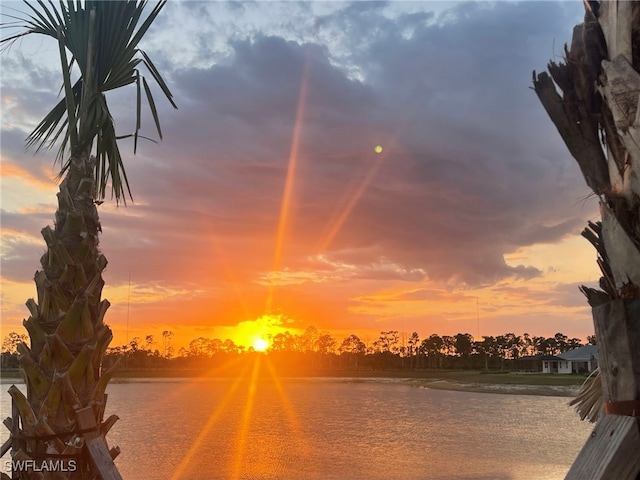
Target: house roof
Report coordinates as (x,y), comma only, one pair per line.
(538,356)
(582,354)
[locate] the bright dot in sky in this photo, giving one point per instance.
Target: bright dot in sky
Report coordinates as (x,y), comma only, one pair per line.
(260,345)
(378,149)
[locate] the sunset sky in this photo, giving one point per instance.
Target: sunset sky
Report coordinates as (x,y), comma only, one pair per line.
(266,207)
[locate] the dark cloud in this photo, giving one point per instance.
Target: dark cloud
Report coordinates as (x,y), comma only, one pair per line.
(472,184)
(472,168)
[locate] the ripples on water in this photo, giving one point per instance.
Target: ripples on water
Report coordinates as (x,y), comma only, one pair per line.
(335,429)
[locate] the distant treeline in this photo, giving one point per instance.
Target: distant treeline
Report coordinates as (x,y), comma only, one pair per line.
(313,349)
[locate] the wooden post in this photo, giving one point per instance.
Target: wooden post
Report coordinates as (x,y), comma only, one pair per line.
(617,325)
(612,450)
(96,446)
(15,431)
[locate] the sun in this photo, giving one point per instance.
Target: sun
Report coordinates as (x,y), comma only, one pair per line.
(260,344)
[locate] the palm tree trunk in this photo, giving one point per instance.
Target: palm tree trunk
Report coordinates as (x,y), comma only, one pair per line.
(598,117)
(62,367)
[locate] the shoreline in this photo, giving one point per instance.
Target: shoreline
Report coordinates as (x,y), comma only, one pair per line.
(507,389)
(461,380)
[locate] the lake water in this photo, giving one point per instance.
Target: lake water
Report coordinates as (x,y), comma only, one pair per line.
(334,429)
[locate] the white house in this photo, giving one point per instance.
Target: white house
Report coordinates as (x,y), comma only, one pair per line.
(555,364)
(579,360)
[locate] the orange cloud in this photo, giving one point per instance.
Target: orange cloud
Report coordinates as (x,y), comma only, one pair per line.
(10,170)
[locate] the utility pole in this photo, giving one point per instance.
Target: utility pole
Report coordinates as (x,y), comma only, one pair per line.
(478,316)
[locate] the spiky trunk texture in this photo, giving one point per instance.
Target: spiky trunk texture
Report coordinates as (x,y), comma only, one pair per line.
(62,367)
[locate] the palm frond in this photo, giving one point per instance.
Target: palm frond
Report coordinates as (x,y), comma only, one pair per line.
(152,105)
(69,97)
(43,135)
(589,403)
(108,155)
(138,108)
(114,62)
(158,78)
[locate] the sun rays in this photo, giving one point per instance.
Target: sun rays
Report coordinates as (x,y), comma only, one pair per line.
(241,443)
(244,391)
(259,376)
(338,220)
(201,438)
(341,215)
(290,413)
(285,206)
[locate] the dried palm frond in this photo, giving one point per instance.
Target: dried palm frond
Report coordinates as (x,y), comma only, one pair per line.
(589,402)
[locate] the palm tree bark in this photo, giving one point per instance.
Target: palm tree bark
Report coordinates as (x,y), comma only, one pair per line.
(598,117)
(62,413)
(67,333)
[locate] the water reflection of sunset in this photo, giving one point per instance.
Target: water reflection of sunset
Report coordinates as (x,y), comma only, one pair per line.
(239,402)
(331,428)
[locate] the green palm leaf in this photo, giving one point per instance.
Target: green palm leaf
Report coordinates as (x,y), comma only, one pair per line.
(114,63)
